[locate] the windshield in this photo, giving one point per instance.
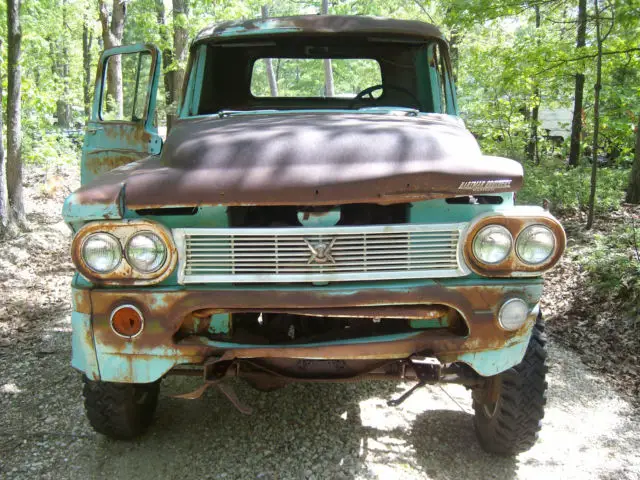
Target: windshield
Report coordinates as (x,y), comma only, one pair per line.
(315,73)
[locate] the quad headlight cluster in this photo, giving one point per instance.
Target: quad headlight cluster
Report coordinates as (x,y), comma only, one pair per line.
(505,245)
(110,252)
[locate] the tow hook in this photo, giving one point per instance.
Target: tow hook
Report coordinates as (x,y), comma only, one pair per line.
(428,370)
(215,369)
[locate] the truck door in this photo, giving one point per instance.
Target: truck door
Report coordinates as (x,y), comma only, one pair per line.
(121,129)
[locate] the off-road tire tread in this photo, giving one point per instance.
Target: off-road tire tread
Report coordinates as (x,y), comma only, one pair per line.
(120,410)
(515,425)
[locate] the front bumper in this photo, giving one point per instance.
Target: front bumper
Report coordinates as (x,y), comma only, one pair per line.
(488,349)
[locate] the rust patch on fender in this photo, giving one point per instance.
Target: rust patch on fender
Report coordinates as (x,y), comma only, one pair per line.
(81,300)
(165,311)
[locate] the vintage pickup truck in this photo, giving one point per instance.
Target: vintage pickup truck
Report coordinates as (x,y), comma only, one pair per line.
(297,229)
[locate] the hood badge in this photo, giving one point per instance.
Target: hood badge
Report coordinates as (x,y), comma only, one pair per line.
(485,185)
(321,252)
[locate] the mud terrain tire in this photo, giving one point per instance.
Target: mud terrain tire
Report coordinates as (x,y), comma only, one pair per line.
(120,410)
(510,424)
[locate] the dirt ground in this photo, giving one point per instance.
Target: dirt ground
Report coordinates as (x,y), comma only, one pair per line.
(591,428)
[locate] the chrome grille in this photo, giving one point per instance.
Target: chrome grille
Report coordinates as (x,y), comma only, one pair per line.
(381,252)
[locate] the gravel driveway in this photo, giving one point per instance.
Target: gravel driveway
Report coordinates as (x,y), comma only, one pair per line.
(302,431)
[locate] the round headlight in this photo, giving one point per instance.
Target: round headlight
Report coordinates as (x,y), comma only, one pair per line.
(101,252)
(513,314)
(492,244)
(146,252)
(535,244)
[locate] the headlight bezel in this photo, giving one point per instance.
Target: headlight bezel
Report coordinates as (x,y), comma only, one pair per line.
(124,273)
(516,221)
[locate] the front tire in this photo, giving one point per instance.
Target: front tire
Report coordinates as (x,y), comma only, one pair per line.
(120,410)
(510,407)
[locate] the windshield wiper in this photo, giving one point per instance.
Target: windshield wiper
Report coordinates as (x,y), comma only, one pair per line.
(229,113)
(410,112)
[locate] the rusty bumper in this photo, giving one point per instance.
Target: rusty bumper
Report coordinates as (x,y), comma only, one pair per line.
(488,349)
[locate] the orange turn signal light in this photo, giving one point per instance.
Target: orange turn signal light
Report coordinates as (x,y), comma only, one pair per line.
(127,321)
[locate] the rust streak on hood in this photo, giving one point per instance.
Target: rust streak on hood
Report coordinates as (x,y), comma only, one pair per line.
(312,159)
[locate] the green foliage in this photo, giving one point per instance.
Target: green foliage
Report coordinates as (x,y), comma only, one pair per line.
(567,189)
(53,148)
(613,263)
(504,63)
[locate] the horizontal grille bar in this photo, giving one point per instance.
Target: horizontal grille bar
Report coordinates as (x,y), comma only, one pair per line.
(257,255)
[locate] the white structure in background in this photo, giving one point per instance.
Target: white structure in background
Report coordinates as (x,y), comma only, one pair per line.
(556,123)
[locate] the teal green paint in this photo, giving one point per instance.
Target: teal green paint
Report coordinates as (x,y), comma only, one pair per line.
(220,323)
(197,88)
(492,362)
(73,212)
(80,282)
(429,323)
(185,106)
(352,341)
(194,84)
(434,80)
(83,354)
(340,289)
(138,369)
(158,301)
(107,139)
(423,81)
(205,217)
(130,347)
(439,211)
(452,101)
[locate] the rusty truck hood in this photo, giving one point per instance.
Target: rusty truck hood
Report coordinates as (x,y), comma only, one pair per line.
(307,159)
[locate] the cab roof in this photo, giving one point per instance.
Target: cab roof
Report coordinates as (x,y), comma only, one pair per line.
(319,25)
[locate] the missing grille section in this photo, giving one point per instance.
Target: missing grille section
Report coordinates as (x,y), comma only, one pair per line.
(150,212)
(283,216)
(476,200)
(304,326)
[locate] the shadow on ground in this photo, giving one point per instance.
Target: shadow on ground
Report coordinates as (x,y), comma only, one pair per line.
(320,431)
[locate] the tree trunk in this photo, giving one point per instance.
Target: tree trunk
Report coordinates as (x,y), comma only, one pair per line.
(14,124)
(633,191)
(532,147)
(596,117)
(5,211)
(112,33)
(63,112)
(271,75)
(63,109)
(576,121)
(167,60)
(87,40)
(180,39)
(328,67)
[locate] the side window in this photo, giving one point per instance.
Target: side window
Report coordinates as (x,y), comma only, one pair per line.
(126,91)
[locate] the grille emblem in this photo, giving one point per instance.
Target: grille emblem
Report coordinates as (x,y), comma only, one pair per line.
(321,252)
